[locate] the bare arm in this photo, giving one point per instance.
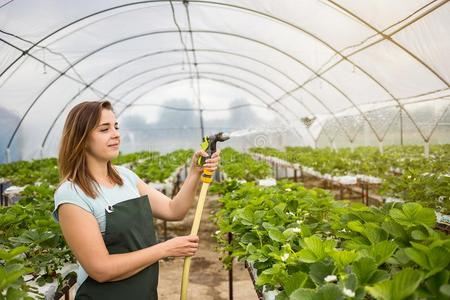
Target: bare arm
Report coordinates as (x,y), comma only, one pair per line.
(175,209)
(82,234)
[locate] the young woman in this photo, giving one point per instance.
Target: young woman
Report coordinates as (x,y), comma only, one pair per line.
(106,212)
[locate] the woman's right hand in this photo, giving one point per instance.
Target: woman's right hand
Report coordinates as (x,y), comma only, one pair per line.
(181,246)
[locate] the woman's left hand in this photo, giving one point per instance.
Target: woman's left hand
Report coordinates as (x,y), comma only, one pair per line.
(210,163)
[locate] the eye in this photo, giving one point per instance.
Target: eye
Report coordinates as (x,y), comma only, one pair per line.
(103,130)
(117,127)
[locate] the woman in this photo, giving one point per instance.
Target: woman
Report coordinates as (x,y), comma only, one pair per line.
(106,212)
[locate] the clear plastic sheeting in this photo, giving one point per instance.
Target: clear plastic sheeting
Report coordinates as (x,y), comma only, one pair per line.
(313,72)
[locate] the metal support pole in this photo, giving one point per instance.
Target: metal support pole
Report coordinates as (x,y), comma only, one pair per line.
(401,127)
(230,271)
(380,146)
(302,175)
(426,149)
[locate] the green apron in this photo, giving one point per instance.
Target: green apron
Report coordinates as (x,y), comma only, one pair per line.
(128,228)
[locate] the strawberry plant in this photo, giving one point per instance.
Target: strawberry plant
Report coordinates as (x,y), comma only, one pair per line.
(157,168)
(424,180)
(305,245)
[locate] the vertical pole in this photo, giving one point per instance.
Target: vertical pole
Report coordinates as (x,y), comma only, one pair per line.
(230,271)
(362,192)
(401,127)
(8,155)
(367,193)
(202,129)
(380,146)
(165,222)
(426,150)
(302,175)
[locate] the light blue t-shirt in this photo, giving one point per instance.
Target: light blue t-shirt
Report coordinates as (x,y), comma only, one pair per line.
(69,192)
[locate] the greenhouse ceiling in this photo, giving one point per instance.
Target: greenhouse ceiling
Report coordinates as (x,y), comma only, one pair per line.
(319,73)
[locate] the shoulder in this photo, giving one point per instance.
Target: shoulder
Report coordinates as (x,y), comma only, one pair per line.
(67,188)
(127,173)
(68,192)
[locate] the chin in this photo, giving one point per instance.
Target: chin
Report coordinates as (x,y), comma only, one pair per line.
(110,155)
(115,155)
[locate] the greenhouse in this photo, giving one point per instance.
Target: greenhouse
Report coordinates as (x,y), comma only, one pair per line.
(282,150)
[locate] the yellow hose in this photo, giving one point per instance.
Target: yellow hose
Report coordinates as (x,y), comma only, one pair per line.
(206,178)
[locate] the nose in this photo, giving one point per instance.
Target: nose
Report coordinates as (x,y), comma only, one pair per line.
(116,133)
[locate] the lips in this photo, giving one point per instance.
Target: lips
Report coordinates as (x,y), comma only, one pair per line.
(114,145)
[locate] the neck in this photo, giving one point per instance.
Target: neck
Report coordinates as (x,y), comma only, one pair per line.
(98,169)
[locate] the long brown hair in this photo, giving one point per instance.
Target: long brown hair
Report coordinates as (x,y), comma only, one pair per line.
(82,119)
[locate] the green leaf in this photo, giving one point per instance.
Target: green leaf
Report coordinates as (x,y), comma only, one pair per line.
(318,271)
(279,210)
(355,226)
(276,235)
(343,258)
(16,294)
(8,255)
(294,282)
(395,229)
(381,291)
(413,214)
(382,251)
(364,268)
(303,294)
(289,234)
(445,289)
(403,284)
(314,249)
(246,214)
(434,260)
(249,238)
(418,235)
(350,281)
(418,257)
(11,274)
(374,233)
(434,282)
(439,258)
(307,256)
(329,291)
(378,276)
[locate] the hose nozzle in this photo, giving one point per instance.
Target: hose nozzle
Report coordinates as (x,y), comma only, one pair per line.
(209,145)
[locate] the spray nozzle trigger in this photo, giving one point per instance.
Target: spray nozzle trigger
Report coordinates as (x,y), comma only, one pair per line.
(209,145)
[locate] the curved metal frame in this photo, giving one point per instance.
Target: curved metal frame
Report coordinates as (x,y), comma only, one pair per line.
(168,75)
(226,5)
(386,37)
(207,73)
(197,50)
(171,31)
(131,103)
(156,68)
(212,79)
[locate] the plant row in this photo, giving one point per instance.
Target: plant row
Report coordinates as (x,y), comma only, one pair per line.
(305,245)
(31,242)
(424,180)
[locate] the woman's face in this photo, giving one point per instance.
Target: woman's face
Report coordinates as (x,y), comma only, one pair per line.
(104,140)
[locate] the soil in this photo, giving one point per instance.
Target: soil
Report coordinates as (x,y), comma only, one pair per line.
(208,279)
